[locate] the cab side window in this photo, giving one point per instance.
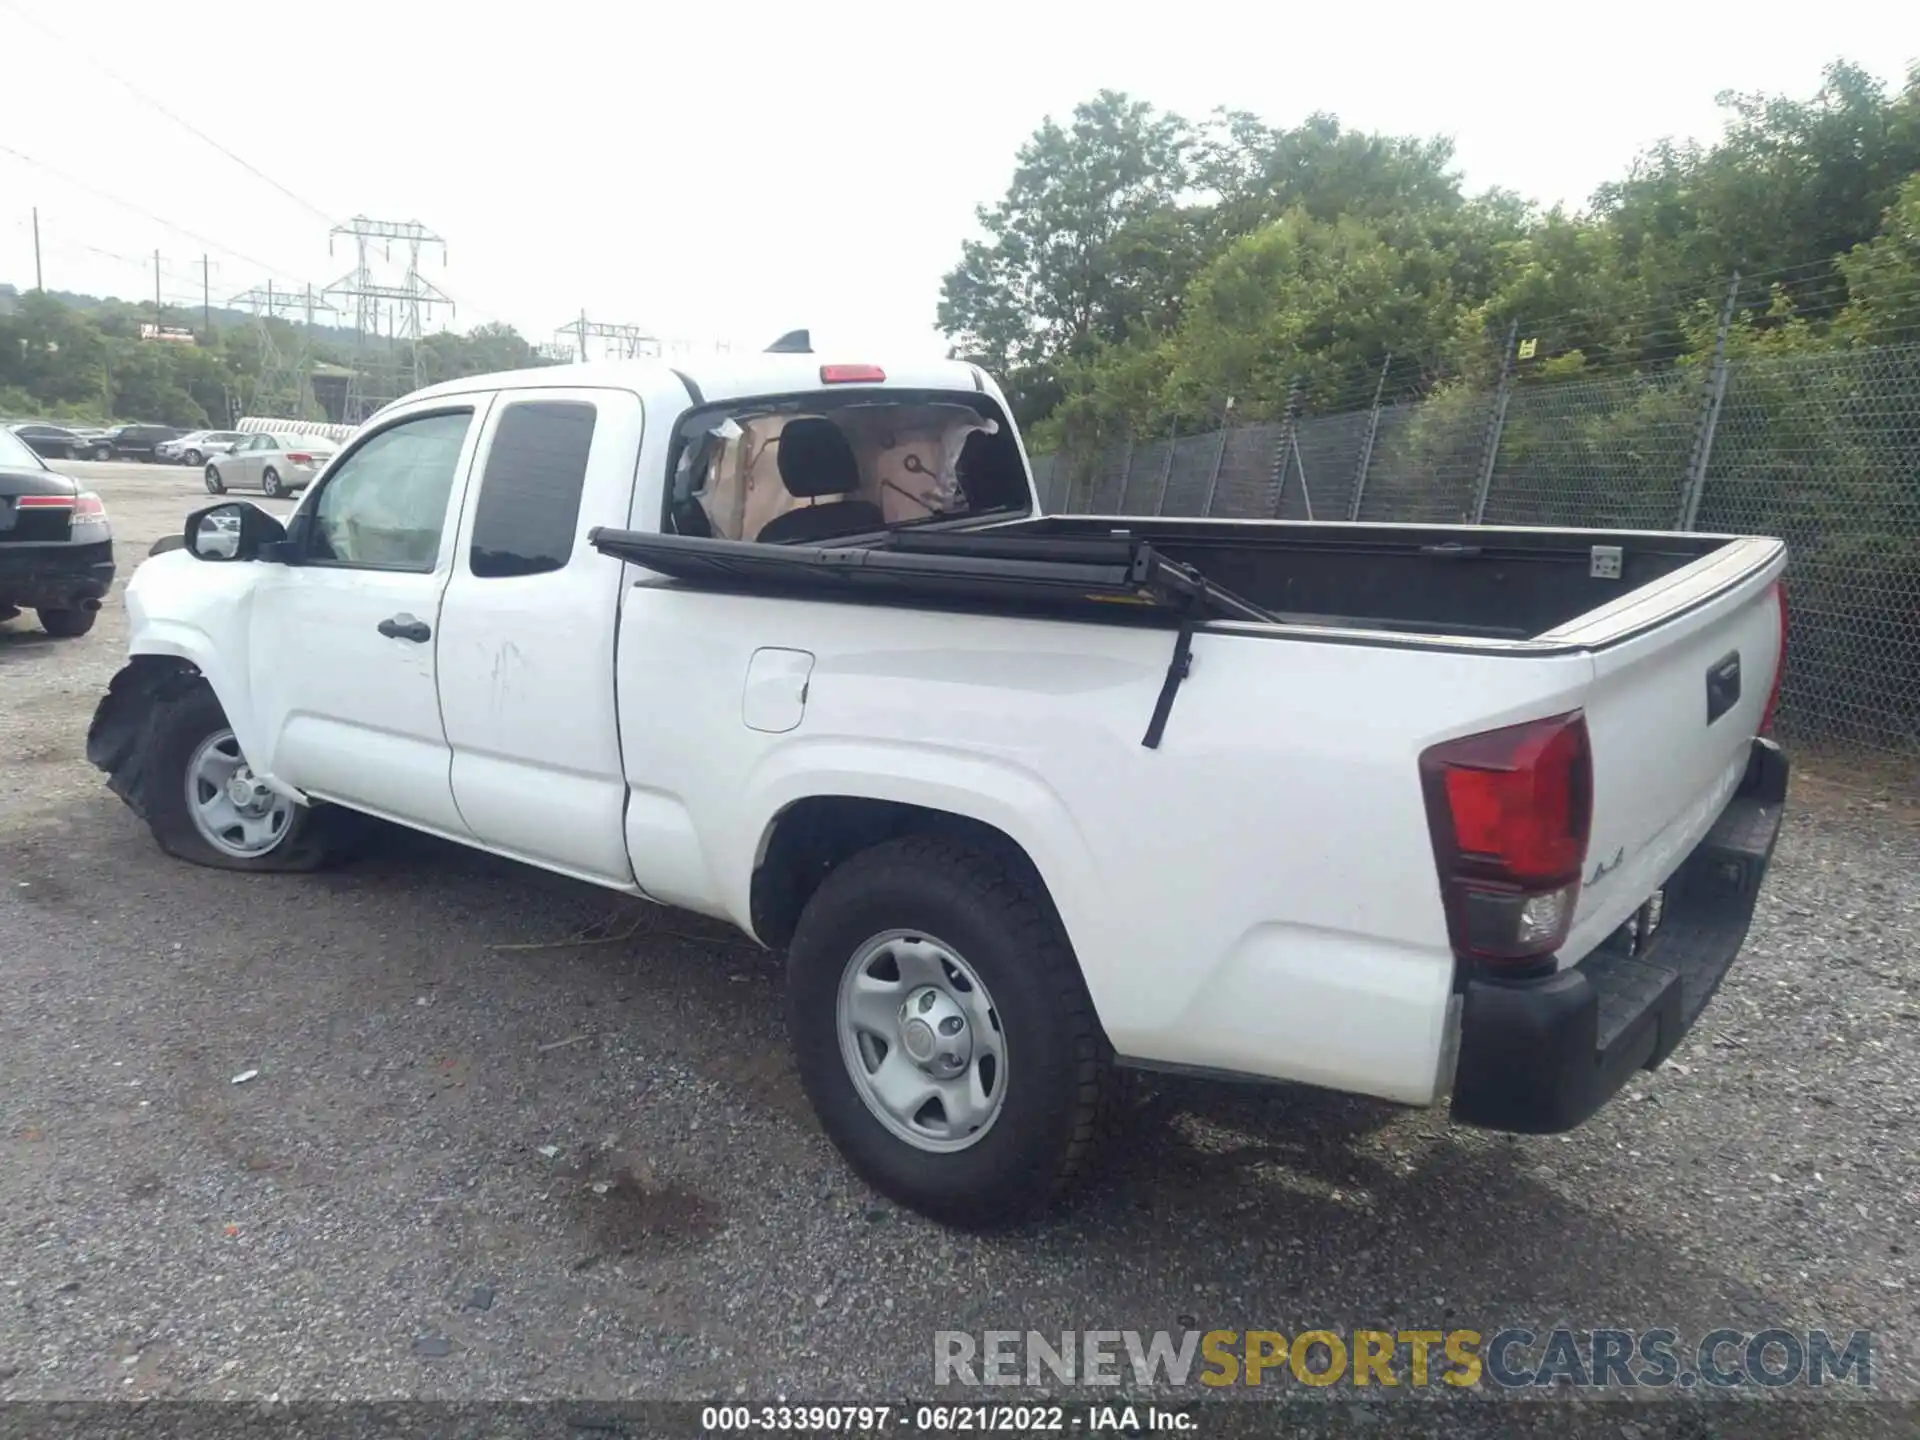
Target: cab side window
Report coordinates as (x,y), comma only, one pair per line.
(384,506)
(529,503)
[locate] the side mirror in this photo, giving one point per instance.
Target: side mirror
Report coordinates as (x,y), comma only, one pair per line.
(237,530)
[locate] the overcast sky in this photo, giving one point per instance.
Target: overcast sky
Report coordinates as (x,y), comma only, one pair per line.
(734,170)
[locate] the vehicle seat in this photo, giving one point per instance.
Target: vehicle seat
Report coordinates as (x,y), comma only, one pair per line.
(817,464)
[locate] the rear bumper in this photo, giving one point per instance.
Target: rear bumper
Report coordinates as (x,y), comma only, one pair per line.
(55,577)
(1540,1056)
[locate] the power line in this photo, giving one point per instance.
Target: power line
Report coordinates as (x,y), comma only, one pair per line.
(146,214)
(184,124)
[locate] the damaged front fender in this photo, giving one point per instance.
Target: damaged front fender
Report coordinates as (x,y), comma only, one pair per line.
(121,719)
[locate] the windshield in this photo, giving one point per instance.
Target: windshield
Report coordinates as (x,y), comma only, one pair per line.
(14,452)
(808,468)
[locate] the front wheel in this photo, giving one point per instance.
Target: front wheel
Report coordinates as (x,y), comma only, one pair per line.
(944,1034)
(215,485)
(188,776)
(192,457)
(270,484)
(67,624)
(103,452)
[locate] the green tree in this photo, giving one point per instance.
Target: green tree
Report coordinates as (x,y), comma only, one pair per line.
(1883,276)
(1088,241)
(1324,301)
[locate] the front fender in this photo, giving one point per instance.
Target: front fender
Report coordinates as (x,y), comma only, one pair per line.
(198,612)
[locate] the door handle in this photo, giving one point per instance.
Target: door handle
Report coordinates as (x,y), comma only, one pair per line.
(405,627)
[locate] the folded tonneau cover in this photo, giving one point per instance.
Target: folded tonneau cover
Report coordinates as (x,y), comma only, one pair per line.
(1079,572)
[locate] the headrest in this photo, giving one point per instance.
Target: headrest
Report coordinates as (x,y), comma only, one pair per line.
(815,458)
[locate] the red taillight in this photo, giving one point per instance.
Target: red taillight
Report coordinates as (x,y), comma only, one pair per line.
(1510,811)
(851,375)
(1779,663)
(296,457)
(44,502)
(88,506)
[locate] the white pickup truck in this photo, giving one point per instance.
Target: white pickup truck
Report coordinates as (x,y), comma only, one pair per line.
(1462,816)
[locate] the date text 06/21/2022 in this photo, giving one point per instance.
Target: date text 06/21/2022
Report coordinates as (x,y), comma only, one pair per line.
(1088,1419)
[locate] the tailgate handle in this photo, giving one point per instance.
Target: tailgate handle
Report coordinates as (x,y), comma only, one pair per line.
(1723,686)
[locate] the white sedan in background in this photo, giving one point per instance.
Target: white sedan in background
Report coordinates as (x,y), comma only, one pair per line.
(277,463)
(194,447)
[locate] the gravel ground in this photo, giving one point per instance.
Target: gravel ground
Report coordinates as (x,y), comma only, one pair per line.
(476,1163)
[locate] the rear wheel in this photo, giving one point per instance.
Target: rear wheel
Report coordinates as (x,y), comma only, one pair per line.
(270,483)
(215,485)
(66,624)
(944,1034)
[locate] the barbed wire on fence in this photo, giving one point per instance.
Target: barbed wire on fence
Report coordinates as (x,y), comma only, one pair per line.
(1821,449)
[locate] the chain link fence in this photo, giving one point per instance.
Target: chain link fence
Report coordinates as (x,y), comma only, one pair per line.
(1822,450)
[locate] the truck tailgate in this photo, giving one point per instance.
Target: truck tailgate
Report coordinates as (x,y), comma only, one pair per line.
(1675,703)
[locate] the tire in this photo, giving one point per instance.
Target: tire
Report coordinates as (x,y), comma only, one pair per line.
(152,776)
(1057,1087)
(192,457)
(67,624)
(270,484)
(215,485)
(103,452)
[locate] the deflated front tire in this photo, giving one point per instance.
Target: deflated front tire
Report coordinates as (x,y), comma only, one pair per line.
(170,754)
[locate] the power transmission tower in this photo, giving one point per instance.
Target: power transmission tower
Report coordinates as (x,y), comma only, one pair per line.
(385,374)
(624,342)
(285,388)
(688,349)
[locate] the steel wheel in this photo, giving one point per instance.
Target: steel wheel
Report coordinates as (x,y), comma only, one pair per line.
(232,810)
(921,1041)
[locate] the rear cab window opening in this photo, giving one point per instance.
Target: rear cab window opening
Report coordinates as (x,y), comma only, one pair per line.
(865,460)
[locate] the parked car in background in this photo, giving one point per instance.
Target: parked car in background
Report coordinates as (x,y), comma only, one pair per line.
(52,442)
(195,446)
(56,548)
(93,442)
(137,442)
(278,463)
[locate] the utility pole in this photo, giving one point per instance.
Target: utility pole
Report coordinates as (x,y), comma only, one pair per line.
(157,313)
(37,283)
(206,298)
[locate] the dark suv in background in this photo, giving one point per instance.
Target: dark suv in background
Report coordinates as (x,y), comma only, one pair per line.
(136,442)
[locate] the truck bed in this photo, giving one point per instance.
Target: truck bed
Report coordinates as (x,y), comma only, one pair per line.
(1445,582)
(1486,582)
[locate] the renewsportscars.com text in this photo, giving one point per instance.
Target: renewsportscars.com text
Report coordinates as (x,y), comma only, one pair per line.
(1507,1359)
